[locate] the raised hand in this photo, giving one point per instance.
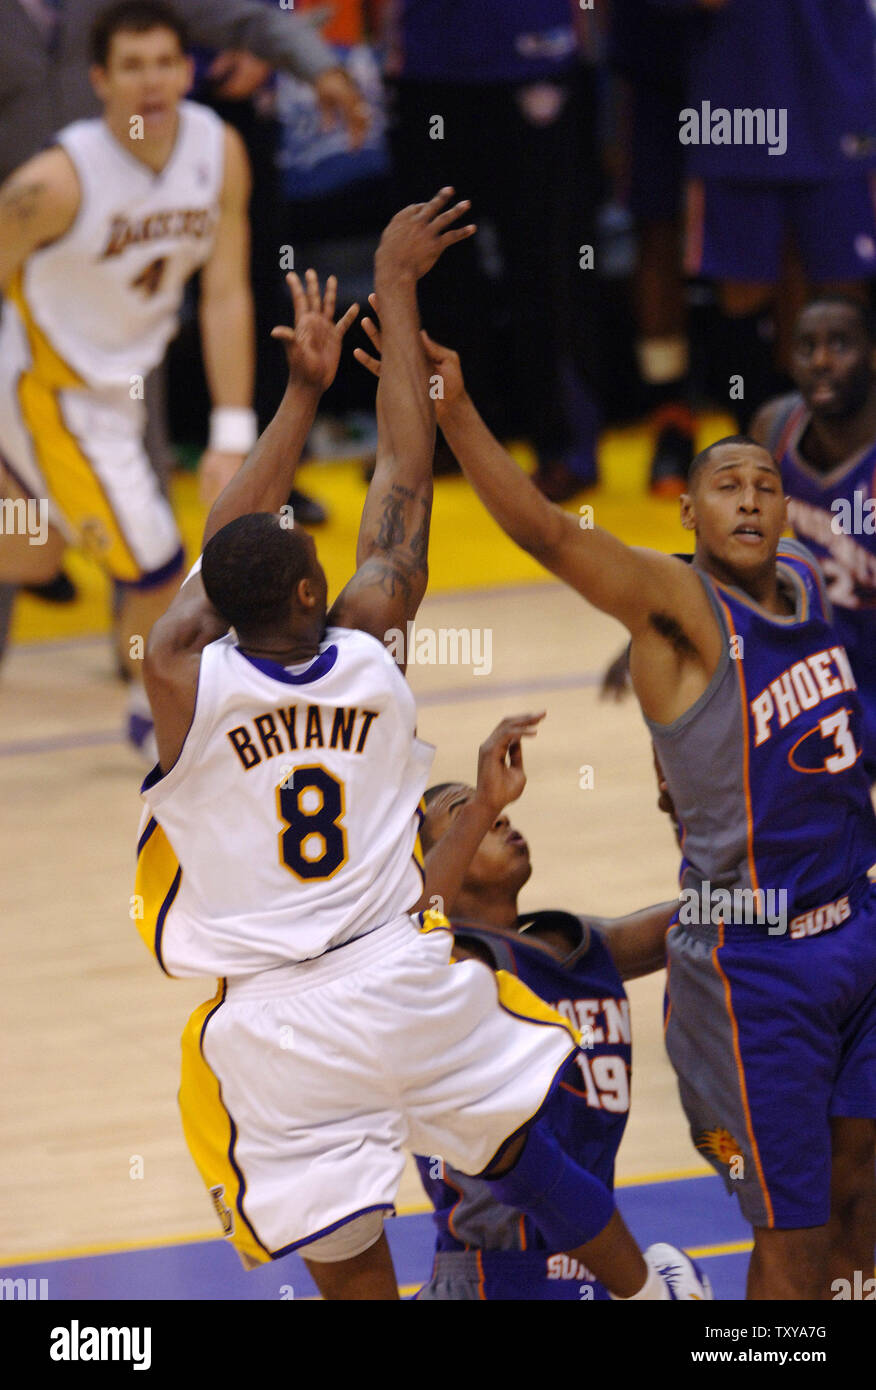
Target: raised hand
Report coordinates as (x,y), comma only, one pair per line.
(444,360)
(417,236)
(499,781)
(313,345)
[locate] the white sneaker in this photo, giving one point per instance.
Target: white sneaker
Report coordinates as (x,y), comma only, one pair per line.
(683,1279)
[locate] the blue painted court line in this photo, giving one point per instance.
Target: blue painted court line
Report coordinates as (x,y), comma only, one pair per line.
(694,1213)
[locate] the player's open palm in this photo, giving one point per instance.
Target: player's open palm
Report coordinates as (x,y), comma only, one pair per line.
(500,760)
(416,236)
(443,360)
(313,345)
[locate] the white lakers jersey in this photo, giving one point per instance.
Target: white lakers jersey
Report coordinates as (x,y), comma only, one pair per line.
(289,823)
(106,294)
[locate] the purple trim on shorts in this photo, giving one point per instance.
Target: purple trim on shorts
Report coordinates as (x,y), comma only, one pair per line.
(155,578)
(319,667)
(327,1230)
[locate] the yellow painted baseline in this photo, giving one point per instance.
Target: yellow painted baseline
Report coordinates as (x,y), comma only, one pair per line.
(467,550)
(413,1209)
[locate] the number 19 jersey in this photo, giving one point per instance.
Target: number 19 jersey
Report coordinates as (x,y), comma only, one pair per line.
(289,823)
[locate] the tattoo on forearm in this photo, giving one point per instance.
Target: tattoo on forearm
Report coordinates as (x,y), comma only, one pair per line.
(392,522)
(21,200)
(394,580)
(420,538)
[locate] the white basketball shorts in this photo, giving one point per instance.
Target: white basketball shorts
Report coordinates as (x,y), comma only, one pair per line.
(302,1086)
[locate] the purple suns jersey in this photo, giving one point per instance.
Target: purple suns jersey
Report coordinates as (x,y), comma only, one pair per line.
(835,515)
(765,769)
(492,1248)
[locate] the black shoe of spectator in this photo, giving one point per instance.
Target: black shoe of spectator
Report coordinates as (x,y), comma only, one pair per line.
(57,590)
(673,451)
(558,483)
(306,510)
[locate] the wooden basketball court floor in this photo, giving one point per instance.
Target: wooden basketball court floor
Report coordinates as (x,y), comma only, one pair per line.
(93,1160)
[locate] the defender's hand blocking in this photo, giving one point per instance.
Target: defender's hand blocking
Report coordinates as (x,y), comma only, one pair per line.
(500,782)
(444,360)
(417,236)
(313,346)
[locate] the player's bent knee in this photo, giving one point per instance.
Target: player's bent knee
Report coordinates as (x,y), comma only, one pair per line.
(348,1241)
(568,1205)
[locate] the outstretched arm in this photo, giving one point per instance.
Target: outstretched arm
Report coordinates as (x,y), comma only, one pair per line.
(391,555)
(610,574)
(173,653)
(313,350)
(637,942)
(676,642)
(602,568)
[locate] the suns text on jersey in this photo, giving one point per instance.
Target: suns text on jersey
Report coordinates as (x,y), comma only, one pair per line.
(305,726)
(585,1013)
(801,687)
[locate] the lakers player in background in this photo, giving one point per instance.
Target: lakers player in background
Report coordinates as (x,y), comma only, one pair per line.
(98,236)
(753,711)
(278,850)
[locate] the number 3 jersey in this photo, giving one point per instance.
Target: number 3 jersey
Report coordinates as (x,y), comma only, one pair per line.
(289,823)
(588,1111)
(765,769)
(104,297)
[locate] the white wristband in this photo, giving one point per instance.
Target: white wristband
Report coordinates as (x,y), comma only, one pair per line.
(233,429)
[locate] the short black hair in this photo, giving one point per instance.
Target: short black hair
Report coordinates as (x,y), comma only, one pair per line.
(845,301)
(430,795)
(704,456)
(133,17)
(251,567)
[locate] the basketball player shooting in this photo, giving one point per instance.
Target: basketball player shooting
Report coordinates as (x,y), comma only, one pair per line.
(279,851)
(753,710)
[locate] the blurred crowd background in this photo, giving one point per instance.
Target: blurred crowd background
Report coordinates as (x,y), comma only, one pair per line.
(618,274)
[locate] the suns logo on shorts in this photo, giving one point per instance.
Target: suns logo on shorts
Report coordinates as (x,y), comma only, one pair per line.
(225,1214)
(719,1143)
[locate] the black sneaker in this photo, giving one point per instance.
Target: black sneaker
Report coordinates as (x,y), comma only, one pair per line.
(306,510)
(673,451)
